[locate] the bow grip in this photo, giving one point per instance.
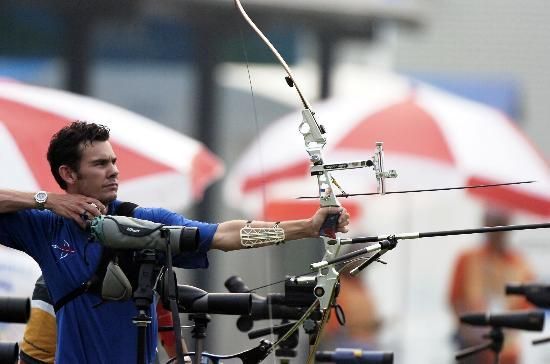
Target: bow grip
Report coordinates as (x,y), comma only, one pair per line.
(328,228)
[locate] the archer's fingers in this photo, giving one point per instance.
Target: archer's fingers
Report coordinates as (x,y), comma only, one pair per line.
(343,230)
(90,209)
(344,217)
(97,205)
(79,220)
(331,210)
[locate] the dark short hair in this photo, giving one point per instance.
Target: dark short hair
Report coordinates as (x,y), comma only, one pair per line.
(67,144)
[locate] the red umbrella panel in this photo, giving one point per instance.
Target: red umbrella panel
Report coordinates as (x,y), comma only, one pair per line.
(158,165)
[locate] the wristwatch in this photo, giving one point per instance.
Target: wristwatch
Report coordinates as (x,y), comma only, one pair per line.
(40,198)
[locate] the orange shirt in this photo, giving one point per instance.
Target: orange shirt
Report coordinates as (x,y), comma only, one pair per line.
(477,285)
(362,322)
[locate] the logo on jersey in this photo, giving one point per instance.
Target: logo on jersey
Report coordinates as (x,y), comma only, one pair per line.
(63,250)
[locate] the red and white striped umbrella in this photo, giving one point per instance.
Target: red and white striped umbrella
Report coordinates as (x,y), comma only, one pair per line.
(432,138)
(158,166)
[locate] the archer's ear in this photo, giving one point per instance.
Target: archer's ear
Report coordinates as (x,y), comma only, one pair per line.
(67,174)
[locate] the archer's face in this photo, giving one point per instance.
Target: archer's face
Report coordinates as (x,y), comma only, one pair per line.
(98,174)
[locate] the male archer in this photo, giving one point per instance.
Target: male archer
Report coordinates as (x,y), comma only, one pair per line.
(50,228)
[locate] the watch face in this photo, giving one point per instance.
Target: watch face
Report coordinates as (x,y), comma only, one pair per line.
(41,197)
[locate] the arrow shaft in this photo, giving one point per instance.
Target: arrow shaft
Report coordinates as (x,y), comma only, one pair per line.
(424,190)
(430,234)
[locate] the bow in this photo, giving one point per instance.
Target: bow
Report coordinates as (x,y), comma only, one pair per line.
(314,141)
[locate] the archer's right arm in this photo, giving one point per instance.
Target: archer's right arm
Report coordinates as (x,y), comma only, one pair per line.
(71,206)
(12,201)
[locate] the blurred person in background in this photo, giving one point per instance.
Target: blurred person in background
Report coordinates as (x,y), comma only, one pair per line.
(38,344)
(478,283)
(363,321)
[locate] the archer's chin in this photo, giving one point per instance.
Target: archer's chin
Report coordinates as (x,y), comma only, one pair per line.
(110,197)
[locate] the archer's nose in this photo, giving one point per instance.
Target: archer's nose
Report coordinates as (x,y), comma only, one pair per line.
(113,173)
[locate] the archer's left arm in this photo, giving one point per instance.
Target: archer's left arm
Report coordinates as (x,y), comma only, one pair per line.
(227,236)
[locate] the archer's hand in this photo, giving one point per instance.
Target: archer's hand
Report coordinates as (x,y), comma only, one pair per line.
(80,208)
(321,215)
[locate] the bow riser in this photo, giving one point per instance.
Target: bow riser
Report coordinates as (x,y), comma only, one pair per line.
(315,142)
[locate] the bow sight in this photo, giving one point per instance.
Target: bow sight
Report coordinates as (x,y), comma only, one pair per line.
(377,163)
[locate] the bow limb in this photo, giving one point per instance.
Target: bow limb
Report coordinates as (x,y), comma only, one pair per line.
(274,51)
